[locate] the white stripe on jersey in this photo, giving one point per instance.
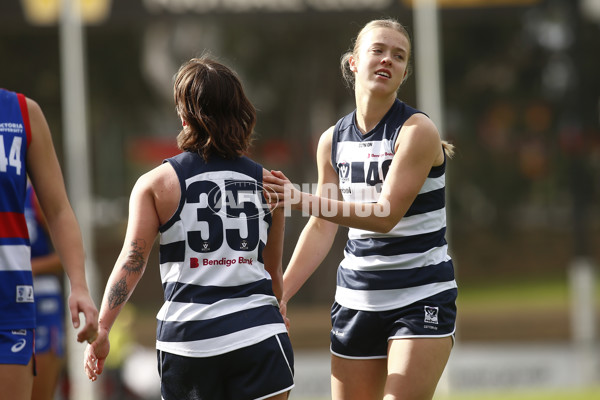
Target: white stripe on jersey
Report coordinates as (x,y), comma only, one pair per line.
(433,256)
(197,312)
(213,275)
(15,258)
(356,151)
(222,344)
(414,225)
(169,272)
(173,234)
(432,184)
(377,300)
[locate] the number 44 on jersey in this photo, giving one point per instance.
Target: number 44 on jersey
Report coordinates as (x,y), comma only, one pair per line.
(14,154)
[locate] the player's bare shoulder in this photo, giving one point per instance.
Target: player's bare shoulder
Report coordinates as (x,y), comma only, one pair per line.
(420,131)
(423,125)
(162,184)
(325,141)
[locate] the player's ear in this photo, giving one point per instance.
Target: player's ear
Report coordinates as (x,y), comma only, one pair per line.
(352,64)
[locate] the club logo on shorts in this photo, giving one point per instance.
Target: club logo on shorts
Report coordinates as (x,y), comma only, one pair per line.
(431,315)
(24,294)
(337,332)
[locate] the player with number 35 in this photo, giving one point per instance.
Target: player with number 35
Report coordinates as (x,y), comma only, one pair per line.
(220,333)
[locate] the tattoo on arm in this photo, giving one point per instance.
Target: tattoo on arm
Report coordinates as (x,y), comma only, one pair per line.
(134,263)
(118,294)
(135,258)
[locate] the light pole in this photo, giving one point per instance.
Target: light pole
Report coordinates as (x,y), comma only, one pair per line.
(429,87)
(78,178)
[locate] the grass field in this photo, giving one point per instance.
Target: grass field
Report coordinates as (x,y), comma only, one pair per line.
(529,394)
(509,295)
(576,394)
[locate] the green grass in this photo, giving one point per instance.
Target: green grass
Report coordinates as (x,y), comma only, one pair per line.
(552,293)
(525,394)
(528,394)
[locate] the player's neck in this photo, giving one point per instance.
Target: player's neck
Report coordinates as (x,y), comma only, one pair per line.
(370,110)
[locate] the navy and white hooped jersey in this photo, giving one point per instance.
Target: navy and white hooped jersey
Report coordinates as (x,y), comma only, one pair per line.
(17,309)
(218,295)
(411,262)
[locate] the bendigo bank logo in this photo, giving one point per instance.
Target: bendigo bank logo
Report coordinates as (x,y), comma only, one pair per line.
(226,262)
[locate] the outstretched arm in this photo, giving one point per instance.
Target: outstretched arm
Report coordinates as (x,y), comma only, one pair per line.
(317,236)
(418,148)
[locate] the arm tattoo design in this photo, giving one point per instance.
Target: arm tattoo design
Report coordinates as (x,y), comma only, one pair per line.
(118,294)
(135,257)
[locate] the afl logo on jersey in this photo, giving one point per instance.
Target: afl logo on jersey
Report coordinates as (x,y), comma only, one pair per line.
(343,171)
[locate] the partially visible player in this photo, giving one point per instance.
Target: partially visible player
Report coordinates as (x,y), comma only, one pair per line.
(26,149)
(220,333)
(47,289)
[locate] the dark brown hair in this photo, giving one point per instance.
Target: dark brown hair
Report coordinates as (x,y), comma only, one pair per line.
(218,117)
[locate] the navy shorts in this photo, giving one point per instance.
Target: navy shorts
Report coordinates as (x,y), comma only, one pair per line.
(16,346)
(365,334)
(250,373)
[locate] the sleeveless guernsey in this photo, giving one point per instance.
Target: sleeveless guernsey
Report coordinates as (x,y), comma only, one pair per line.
(387,271)
(16,283)
(218,295)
